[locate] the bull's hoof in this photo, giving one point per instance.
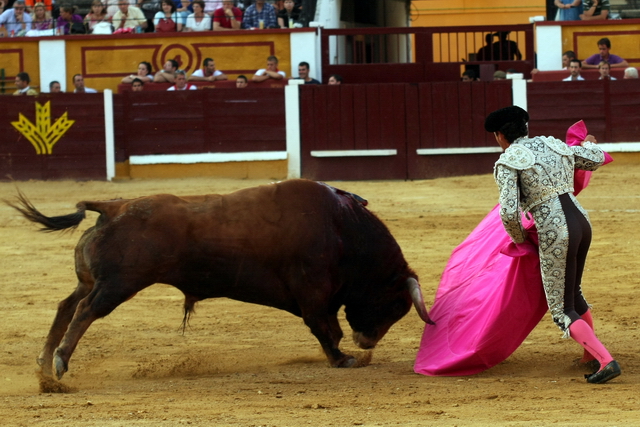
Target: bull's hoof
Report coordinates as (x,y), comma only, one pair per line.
(346,362)
(59,365)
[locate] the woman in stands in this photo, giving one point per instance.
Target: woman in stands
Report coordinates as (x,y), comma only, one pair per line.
(97,14)
(67,19)
(41,18)
(167,20)
(144,73)
(198,20)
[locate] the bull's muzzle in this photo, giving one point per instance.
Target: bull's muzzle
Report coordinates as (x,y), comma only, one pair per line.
(364,342)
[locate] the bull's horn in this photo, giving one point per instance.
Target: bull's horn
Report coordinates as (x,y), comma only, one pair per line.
(418,301)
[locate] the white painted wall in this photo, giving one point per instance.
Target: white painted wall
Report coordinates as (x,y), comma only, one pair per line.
(549,47)
(52,64)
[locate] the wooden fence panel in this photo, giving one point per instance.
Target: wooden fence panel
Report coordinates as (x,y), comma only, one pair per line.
(77,153)
(625,110)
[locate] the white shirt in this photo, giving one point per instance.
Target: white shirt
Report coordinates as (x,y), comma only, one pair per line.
(568,79)
(200,73)
(86,90)
(187,87)
(204,25)
(261,72)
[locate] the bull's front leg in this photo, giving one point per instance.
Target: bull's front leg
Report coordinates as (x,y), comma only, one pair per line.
(326,329)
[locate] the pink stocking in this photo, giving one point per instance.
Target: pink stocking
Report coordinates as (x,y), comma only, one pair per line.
(587,357)
(584,335)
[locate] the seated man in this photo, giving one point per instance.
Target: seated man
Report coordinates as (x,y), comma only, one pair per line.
(604,45)
(168,72)
(137,85)
(605,71)
(15,20)
(208,72)
(303,73)
(631,73)
(271,72)
(78,82)
(54,87)
(335,79)
(574,69)
(241,81)
(128,17)
(260,15)
(227,18)
(181,82)
(22,83)
(595,9)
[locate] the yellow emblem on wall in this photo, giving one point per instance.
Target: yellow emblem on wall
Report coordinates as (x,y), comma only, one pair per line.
(43,136)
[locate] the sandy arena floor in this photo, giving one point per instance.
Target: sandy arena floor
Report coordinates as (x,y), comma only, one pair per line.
(246,365)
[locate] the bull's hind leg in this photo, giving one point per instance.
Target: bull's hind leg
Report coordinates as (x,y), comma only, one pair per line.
(101,301)
(66,309)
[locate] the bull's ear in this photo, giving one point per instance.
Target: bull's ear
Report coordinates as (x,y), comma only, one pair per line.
(418,301)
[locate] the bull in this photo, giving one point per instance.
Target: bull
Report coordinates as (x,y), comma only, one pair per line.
(299,246)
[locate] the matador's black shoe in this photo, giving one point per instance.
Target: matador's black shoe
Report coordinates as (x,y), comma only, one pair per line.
(605,374)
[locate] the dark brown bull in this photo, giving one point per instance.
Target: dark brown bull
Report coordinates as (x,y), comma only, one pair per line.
(300,246)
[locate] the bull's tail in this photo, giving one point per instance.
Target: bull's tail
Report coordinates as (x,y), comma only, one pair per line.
(55,223)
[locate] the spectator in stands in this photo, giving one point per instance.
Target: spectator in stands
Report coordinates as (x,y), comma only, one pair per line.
(210,6)
(183,10)
(595,9)
(505,49)
(260,15)
(167,20)
(181,82)
(78,82)
(630,73)
(168,72)
(605,71)
(30,4)
(271,72)
(228,17)
(137,85)
(485,53)
(568,10)
(41,18)
(54,87)
(604,45)
(289,15)
(241,81)
(469,76)
(335,79)
(499,75)
(303,73)
(15,20)
(574,69)
(566,59)
(198,20)
(22,83)
(128,17)
(97,14)
(68,19)
(144,74)
(208,72)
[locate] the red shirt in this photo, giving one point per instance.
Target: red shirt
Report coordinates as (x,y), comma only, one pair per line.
(223,19)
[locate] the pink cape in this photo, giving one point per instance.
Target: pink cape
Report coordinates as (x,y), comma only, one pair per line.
(490,296)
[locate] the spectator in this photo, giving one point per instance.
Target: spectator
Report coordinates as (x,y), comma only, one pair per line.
(183,10)
(198,20)
(260,15)
(469,76)
(228,17)
(499,75)
(605,71)
(128,17)
(210,6)
(485,53)
(335,79)
(167,20)
(568,10)
(604,45)
(144,74)
(181,82)
(271,72)
(97,14)
(68,19)
(208,72)
(22,83)
(566,58)
(289,15)
(15,20)
(630,73)
(54,87)
(168,72)
(595,9)
(505,49)
(574,69)
(78,82)
(137,85)
(30,4)
(303,73)
(241,81)
(41,18)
